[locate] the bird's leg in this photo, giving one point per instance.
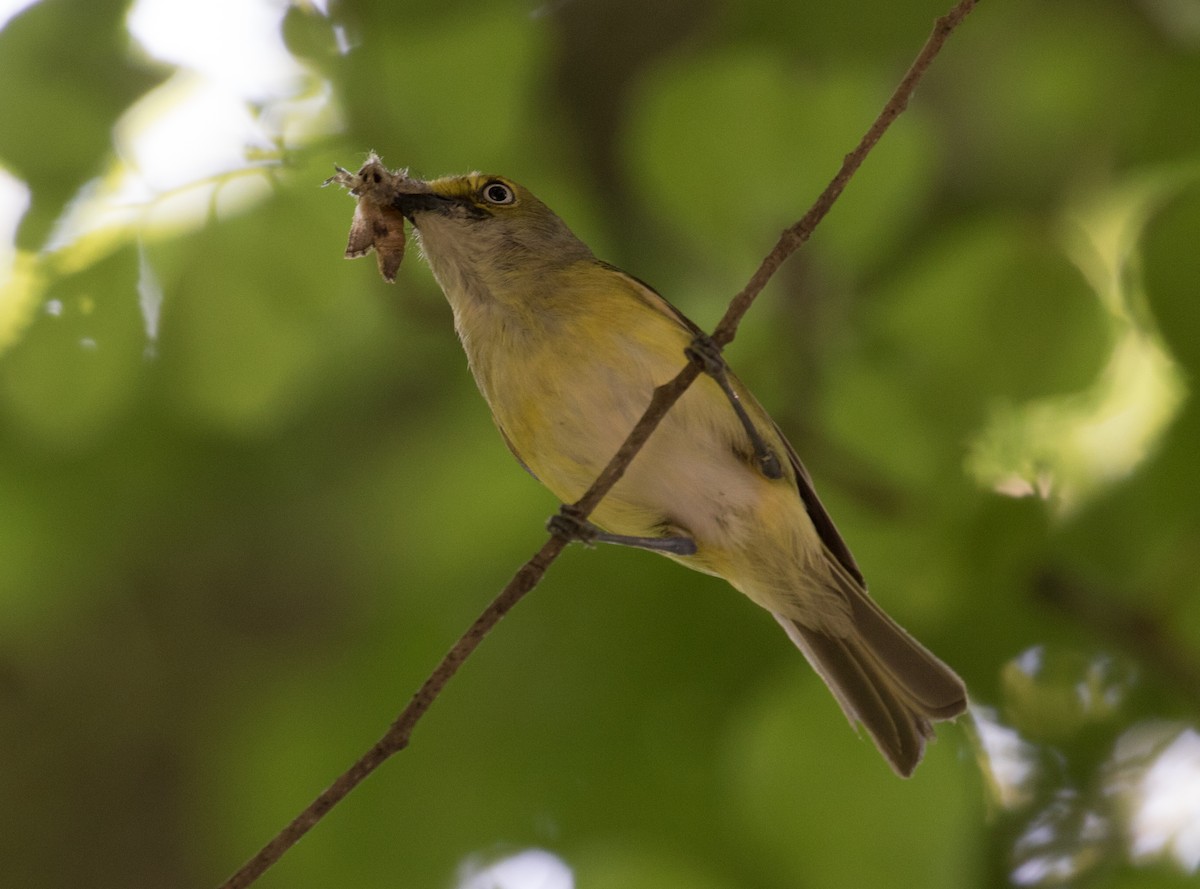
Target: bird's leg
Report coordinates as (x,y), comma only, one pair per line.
(704,352)
(568,524)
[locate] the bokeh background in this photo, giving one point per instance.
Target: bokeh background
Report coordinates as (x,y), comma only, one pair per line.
(249,494)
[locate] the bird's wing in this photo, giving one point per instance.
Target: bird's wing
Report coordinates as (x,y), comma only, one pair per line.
(826,530)
(655,300)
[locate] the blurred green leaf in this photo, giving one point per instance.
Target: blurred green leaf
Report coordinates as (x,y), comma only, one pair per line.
(69,75)
(77,371)
(719,151)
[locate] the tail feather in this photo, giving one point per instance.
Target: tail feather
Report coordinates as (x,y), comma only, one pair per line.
(883,679)
(920,676)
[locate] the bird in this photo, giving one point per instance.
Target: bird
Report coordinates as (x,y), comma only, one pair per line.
(567,349)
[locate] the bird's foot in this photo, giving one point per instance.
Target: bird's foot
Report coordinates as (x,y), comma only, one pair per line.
(568,524)
(705,353)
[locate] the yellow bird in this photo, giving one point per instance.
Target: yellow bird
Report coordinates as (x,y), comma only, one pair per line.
(567,349)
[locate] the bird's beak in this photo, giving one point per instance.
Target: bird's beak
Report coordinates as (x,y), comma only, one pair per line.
(410,203)
(428,199)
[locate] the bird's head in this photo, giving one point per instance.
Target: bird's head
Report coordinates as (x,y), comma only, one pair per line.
(487,231)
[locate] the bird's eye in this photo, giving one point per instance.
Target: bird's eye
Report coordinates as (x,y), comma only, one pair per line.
(496,192)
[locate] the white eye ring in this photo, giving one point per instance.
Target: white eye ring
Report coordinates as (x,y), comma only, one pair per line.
(496,192)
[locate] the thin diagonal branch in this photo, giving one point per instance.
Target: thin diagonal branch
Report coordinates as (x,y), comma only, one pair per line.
(397,736)
(530,574)
(794,236)
(789,242)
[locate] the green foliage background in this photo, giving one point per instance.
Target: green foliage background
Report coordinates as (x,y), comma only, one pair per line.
(235,536)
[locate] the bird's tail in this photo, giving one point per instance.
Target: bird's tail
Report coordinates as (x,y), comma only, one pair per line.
(884,679)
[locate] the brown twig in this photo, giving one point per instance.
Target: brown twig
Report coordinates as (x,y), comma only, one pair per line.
(397,736)
(794,236)
(400,732)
